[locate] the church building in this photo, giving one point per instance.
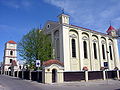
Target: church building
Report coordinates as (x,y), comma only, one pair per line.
(10,62)
(78,47)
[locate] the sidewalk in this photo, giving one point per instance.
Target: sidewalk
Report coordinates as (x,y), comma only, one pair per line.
(89,83)
(2,88)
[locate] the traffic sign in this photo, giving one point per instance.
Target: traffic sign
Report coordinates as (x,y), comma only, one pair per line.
(37,63)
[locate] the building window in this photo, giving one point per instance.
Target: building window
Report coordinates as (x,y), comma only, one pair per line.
(10,60)
(11,52)
(110,53)
(95,50)
(85,49)
(73,48)
(57,45)
(103,51)
(57,49)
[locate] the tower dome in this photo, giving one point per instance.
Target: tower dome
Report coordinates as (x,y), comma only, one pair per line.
(12,42)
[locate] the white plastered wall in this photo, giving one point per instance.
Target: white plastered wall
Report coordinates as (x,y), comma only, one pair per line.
(47,73)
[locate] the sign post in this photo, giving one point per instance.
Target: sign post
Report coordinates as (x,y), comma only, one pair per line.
(38,65)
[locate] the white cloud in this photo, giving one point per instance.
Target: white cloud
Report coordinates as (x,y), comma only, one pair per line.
(17,4)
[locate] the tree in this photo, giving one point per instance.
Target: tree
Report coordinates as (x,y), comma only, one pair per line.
(35,45)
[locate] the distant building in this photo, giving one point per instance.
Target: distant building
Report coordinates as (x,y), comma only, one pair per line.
(10,57)
(78,47)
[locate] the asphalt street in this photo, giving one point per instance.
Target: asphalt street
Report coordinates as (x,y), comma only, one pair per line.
(12,83)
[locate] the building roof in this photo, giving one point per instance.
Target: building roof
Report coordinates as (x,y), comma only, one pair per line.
(50,62)
(12,42)
(110,29)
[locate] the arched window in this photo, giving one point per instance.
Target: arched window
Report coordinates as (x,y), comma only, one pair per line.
(85,49)
(10,60)
(57,48)
(57,45)
(103,51)
(11,52)
(73,48)
(95,50)
(110,49)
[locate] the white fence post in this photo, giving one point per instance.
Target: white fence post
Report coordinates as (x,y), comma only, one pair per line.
(104,75)
(86,76)
(118,77)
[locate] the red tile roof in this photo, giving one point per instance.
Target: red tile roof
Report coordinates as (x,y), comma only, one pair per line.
(11,42)
(50,62)
(110,29)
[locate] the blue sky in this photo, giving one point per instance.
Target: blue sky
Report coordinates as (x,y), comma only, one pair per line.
(17,17)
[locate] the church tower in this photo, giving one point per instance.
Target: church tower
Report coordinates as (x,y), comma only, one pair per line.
(63,18)
(10,55)
(111,31)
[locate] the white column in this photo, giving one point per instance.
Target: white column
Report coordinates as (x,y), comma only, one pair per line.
(116,54)
(80,49)
(65,47)
(100,51)
(108,53)
(91,52)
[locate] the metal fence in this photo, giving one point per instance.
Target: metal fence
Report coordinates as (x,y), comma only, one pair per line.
(74,76)
(36,76)
(69,75)
(111,74)
(95,75)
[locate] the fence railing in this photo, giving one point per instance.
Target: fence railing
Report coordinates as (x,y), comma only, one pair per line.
(91,75)
(68,75)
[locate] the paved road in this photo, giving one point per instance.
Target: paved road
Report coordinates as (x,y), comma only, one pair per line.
(11,83)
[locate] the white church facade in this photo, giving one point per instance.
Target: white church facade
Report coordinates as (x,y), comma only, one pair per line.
(78,47)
